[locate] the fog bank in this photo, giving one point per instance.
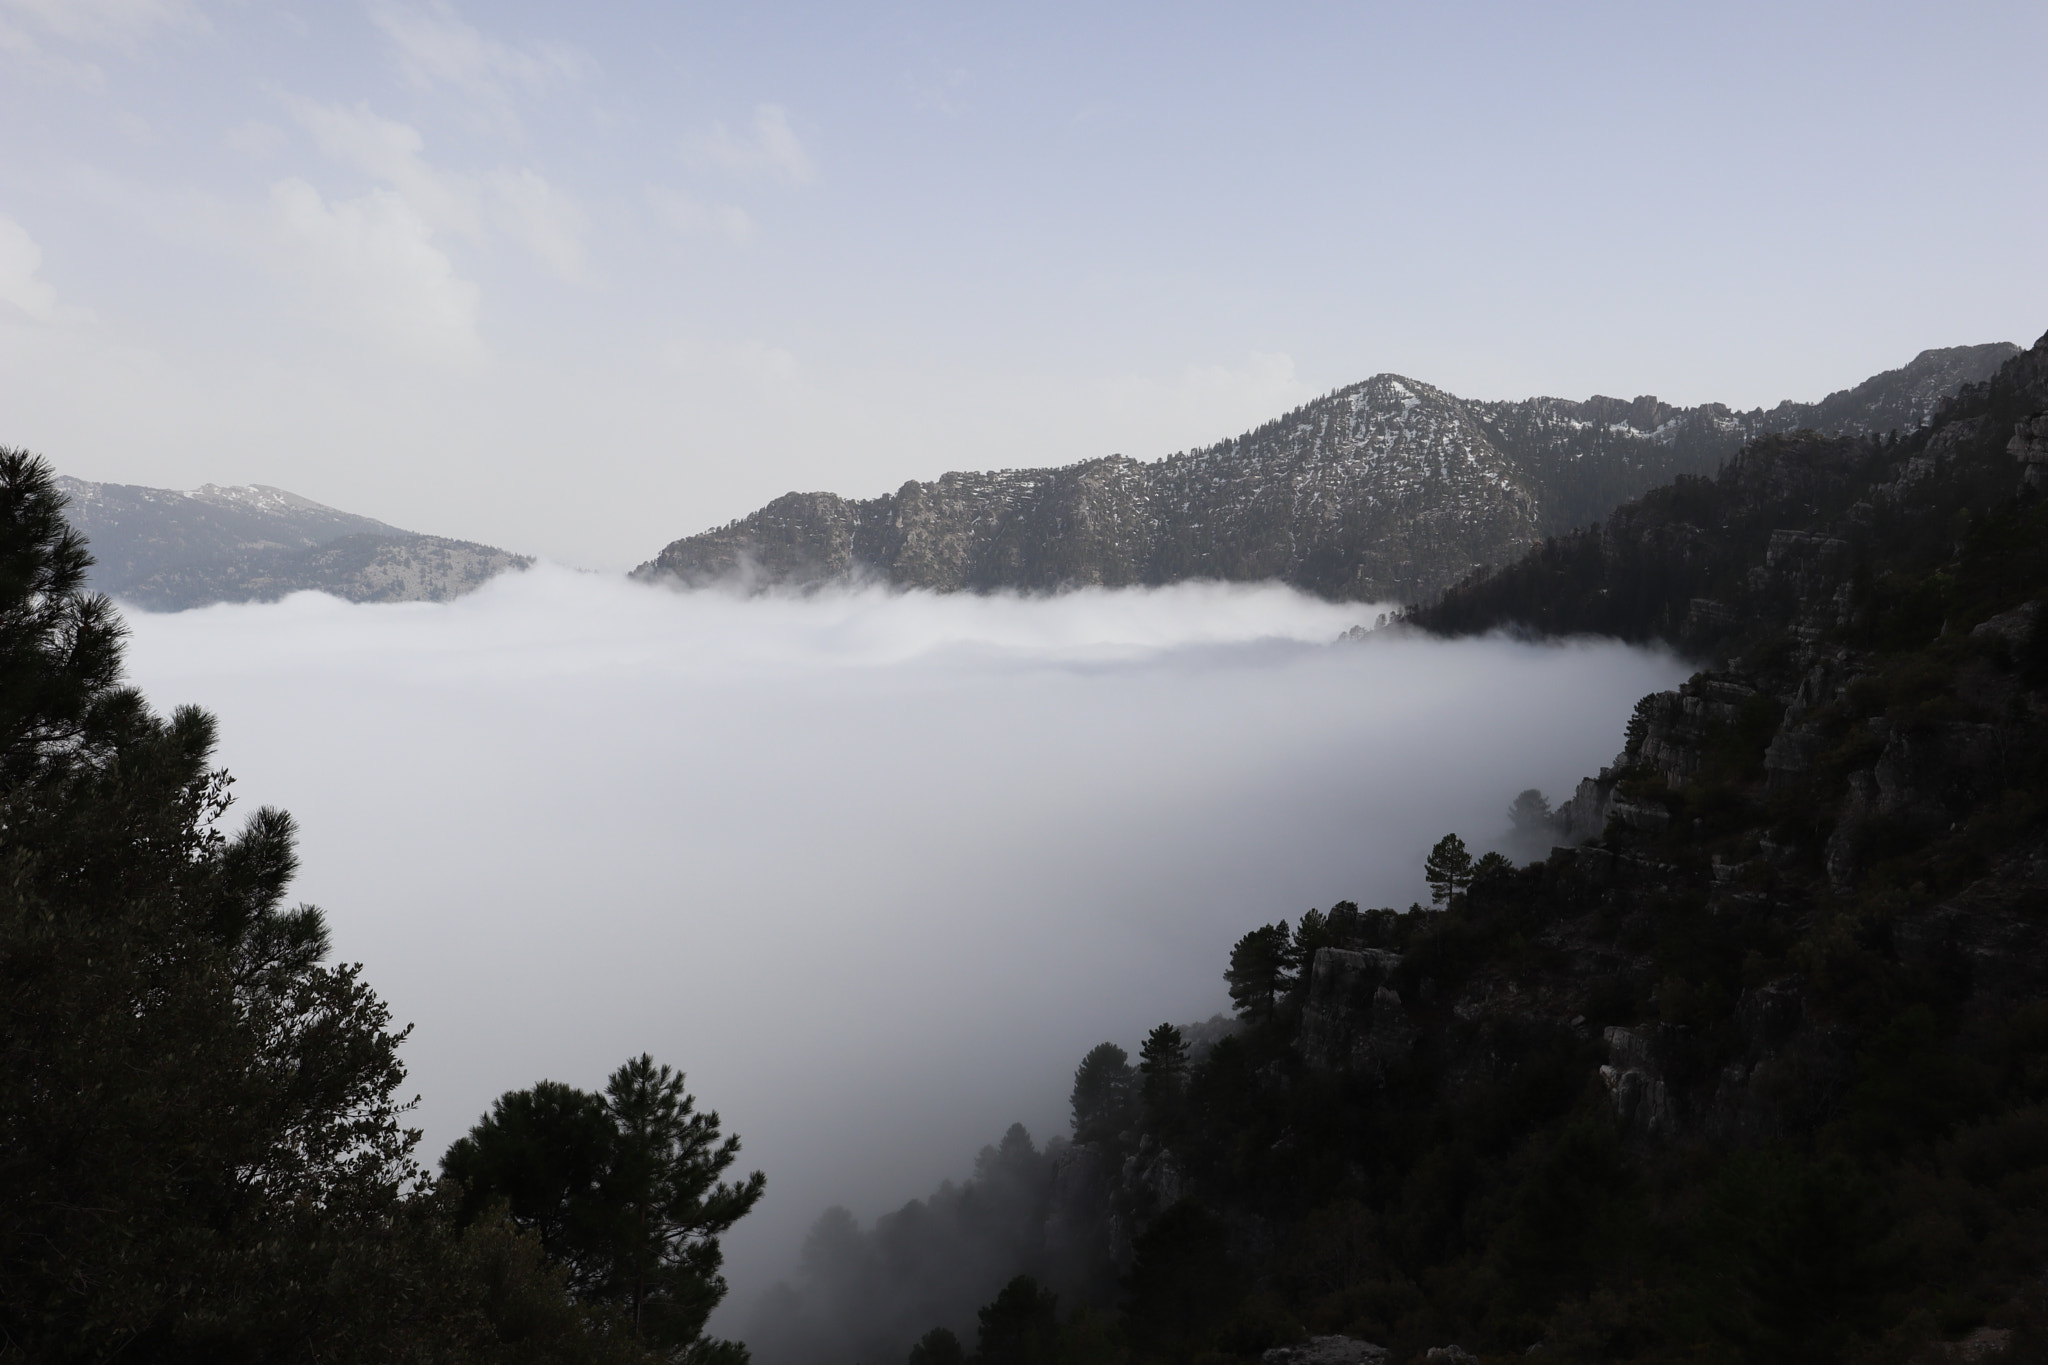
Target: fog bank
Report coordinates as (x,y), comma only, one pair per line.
(875,869)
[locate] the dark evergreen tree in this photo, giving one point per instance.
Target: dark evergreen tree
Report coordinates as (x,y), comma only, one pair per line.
(1104,1093)
(625,1188)
(202,1148)
(1530,814)
(1448,870)
(1182,1286)
(1163,1063)
(1492,867)
(544,1152)
(938,1347)
(1021,1326)
(1261,967)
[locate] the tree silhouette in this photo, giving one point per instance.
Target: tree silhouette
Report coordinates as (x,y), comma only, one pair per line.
(1448,870)
(1260,967)
(624,1188)
(1104,1087)
(1163,1062)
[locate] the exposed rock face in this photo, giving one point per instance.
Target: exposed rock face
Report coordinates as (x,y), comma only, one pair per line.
(1387,490)
(1326,1351)
(165,550)
(1351,1017)
(2029,445)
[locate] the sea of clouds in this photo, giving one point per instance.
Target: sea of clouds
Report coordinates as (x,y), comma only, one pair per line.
(874,868)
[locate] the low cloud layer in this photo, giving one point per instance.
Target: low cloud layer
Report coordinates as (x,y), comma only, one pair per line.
(874,869)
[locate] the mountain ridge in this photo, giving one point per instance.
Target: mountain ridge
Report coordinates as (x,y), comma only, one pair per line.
(164,549)
(1387,489)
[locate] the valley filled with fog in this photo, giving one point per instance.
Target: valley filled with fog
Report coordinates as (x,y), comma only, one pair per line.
(874,868)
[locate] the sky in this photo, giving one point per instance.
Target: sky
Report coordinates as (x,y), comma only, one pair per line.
(873,869)
(577,280)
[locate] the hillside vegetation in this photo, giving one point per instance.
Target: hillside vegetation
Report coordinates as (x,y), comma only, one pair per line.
(1757,1072)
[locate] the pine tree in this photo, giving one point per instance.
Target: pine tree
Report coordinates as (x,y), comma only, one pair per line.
(1104,1089)
(1260,969)
(1530,814)
(202,1150)
(624,1189)
(1448,870)
(938,1347)
(1163,1062)
(1020,1326)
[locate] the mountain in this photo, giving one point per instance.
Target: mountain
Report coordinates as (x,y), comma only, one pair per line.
(165,550)
(1387,490)
(1752,1067)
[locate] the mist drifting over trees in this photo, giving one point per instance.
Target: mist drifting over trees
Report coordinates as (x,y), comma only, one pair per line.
(875,868)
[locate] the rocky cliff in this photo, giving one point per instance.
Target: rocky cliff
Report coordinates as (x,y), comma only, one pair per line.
(1388,490)
(165,550)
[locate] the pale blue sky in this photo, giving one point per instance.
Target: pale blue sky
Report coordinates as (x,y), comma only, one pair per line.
(580,279)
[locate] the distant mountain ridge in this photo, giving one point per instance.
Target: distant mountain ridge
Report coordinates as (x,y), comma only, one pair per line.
(1387,490)
(166,550)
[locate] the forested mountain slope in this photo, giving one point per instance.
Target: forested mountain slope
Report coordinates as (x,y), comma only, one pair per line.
(166,550)
(1752,1068)
(1386,490)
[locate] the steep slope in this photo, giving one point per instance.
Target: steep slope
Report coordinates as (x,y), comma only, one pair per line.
(166,550)
(1752,1068)
(1386,490)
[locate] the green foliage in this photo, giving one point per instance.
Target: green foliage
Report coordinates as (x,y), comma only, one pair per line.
(624,1189)
(1448,869)
(543,1154)
(1163,1064)
(1104,1095)
(1021,1326)
(203,1154)
(938,1347)
(1803,1259)
(1492,869)
(1530,813)
(1822,1131)
(1261,967)
(1184,1285)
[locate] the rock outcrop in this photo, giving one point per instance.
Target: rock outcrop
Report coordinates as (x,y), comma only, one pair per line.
(1331,1350)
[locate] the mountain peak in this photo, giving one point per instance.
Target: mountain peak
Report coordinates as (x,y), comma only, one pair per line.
(1390,489)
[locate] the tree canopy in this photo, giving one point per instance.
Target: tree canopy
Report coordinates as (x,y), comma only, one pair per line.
(203,1147)
(622,1188)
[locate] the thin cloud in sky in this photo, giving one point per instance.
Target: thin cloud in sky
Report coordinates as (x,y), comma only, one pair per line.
(690,217)
(771,151)
(105,21)
(23,55)
(521,203)
(436,49)
(394,153)
(370,266)
(981,287)
(21,283)
(541,218)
